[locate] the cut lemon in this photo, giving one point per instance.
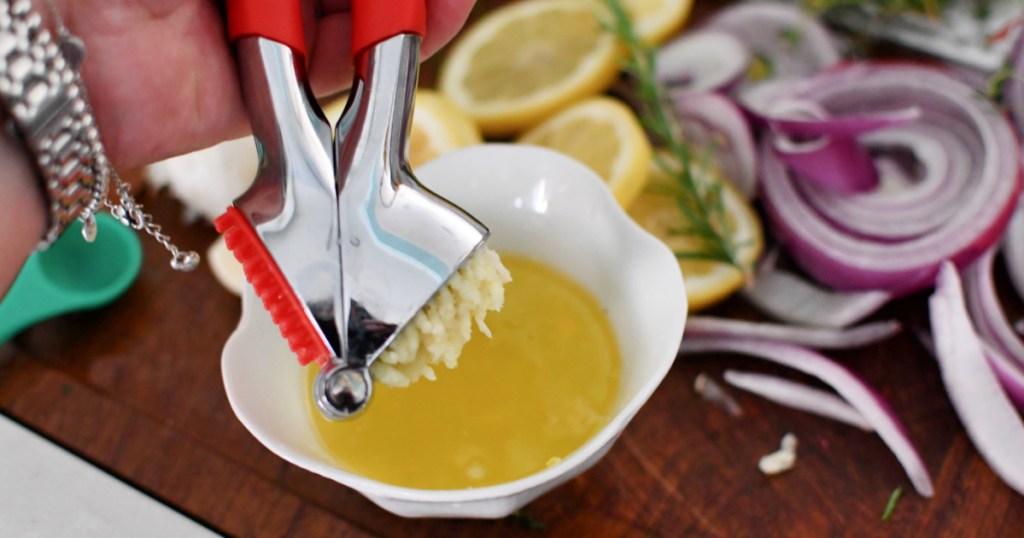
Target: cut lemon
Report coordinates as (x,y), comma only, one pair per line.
(706,282)
(605,135)
(654,21)
(438,126)
(522,62)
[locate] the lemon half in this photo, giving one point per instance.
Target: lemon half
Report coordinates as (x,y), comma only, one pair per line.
(654,21)
(605,135)
(707,282)
(522,62)
(438,126)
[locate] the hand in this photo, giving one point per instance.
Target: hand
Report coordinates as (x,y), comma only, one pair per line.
(162,81)
(161,76)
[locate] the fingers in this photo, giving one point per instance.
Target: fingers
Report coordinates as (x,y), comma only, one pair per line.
(444,19)
(330,65)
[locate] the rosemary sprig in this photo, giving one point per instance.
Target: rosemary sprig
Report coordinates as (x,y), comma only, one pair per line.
(697,195)
(930,8)
(890,506)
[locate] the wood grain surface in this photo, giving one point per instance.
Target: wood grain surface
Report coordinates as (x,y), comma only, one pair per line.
(136,389)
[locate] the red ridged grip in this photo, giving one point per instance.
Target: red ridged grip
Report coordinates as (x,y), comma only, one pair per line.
(374,21)
(277,20)
(270,285)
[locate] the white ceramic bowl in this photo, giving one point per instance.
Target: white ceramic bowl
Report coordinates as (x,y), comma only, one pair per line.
(537,203)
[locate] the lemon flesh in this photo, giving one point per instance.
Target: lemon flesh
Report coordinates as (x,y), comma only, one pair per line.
(524,61)
(707,282)
(604,135)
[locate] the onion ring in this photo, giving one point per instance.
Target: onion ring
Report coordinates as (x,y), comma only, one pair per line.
(896,240)
(993,425)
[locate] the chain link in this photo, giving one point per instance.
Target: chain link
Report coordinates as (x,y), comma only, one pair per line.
(130,213)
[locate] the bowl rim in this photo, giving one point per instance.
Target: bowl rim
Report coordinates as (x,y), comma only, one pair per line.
(586,182)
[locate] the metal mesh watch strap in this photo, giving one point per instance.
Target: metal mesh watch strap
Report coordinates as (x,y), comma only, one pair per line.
(42,93)
(41,90)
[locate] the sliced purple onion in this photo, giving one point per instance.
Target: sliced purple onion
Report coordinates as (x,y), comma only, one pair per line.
(1010,375)
(1013,249)
(838,164)
(992,423)
(798,396)
(701,61)
(715,124)
(819,338)
(1013,88)
(824,149)
(961,149)
(821,124)
(857,393)
(785,40)
(987,313)
(790,298)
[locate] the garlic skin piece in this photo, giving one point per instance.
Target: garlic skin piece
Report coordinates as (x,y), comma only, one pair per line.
(782,459)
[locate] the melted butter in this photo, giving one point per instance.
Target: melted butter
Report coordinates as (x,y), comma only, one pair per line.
(516,403)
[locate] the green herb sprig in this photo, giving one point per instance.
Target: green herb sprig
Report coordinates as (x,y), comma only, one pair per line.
(697,195)
(930,8)
(890,506)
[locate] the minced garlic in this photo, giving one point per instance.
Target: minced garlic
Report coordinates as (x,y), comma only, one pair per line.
(438,332)
(782,459)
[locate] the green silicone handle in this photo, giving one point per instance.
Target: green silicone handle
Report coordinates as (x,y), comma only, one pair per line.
(72,275)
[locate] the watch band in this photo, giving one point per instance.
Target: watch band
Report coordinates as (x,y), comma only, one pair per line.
(42,92)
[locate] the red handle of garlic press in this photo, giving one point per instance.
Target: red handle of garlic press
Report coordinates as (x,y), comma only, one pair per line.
(374,21)
(277,20)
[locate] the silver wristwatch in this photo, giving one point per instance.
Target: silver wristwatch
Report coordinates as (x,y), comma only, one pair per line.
(45,101)
(42,93)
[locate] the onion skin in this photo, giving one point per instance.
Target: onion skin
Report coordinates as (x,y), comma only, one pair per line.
(857,393)
(899,263)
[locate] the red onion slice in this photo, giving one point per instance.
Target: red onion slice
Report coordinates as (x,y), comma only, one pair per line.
(1010,375)
(850,388)
(702,61)
(787,297)
(847,126)
(715,124)
(1013,249)
(836,163)
(798,396)
(971,154)
(825,149)
(1013,88)
(986,311)
(914,196)
(789,42)
(863,335)
(991,422)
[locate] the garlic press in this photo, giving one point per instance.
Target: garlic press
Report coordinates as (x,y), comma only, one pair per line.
(337,237)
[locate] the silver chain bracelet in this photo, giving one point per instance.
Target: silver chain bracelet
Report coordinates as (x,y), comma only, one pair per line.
(42,91)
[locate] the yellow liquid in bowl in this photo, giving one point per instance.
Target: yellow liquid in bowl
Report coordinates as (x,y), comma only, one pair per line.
(516,403)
